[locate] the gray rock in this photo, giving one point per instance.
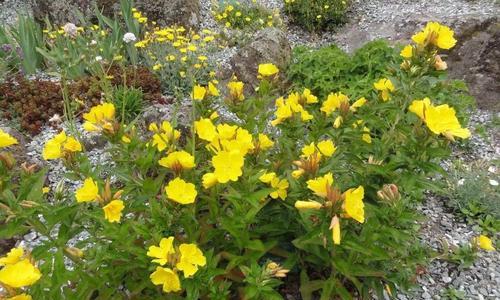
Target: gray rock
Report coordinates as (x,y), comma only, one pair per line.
(269,45)
(476,59)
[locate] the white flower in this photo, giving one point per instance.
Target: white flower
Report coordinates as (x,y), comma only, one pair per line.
(70,29)
(98,58)
(461,181)
(93,42)
(129,37)
(493,182)
(55,118)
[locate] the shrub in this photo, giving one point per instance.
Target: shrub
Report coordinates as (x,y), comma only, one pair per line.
(331,69)
(317,15)
(322,189)
(245,16)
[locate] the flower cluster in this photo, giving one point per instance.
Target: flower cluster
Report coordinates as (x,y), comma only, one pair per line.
(347,205)
(18,270)
(433,37)
(240,16)
(112,205)
(101,118)
(61,146)
(186,258)
(294,105)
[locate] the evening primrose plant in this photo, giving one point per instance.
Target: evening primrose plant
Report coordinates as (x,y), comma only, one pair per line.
(293,187)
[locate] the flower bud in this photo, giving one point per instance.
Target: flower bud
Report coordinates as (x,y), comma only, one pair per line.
(8,160)
(439,64)
(74,252)
(389,193)
(302,205)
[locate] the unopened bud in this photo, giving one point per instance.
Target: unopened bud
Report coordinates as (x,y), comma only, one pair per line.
(301,205)
(389,193)
(439,64)
(8,160)
(28,204)
(74,252)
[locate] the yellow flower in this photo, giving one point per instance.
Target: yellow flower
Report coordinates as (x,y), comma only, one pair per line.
(100,117)
(335,227)
(191,258)
(113,211)
(178,160)
(88,192)
(22,296)
(162,138)
(309,150)
(353,203)
(6,140)
(265,142)
(72,145)
(59,146)
(439,119)
(333,102)
(14,256)
(228,165)
(309,97)
(212,90)
(435,34)
(205,130)
(308,205)
(166,277)
(162,252)
(236,90)
(199,92)
(269,69)
(485,243)
(327,148)
(358,103)
(321,185)
(20,274)
(407,51)
(419,107)
(180,191)
(209,180)
(385,86)
(281,187)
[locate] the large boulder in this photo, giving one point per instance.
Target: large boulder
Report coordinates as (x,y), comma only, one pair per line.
(164,12)
(269,45)
(476,59)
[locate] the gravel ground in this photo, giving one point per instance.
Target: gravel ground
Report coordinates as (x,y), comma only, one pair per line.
(368,20)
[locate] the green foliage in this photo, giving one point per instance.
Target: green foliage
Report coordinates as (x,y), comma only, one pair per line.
(329,69)
(471,195)
(27,35)
(128,102)
(233,189)
(317,15)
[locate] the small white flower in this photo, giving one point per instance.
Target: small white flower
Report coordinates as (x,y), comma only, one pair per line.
(55,118)
(492,169)
(98,58)
(93,42)
(129,37)
(70,29)
(461,181)
(493,182)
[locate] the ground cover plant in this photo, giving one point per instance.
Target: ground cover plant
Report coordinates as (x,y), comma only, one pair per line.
(314,186)
(317,15)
